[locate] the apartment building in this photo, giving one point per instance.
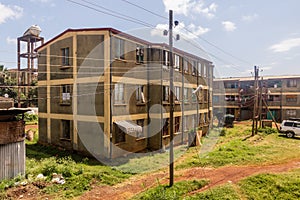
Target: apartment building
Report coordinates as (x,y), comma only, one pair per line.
(279,96)
(106,93)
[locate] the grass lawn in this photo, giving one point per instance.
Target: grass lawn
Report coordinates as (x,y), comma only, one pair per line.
(235,146)
(223,147)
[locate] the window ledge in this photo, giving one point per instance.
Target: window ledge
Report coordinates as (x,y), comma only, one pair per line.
(166,103)
(65,104)
(140,103)
(65,67)
(139,139)
(119,143)
(120,104)
(65,139)
(166,136)
(121,59)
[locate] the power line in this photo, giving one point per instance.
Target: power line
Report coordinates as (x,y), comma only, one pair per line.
(210,43)
(114,15)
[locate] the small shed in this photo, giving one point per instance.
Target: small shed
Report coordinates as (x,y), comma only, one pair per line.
(12,143)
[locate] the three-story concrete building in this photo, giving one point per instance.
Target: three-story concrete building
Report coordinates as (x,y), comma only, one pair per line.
(105,92)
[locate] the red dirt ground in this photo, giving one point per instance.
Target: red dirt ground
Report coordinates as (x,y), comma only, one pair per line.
(217,176)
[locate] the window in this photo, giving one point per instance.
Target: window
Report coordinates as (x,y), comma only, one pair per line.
(177,124)
(199,69)
(291,98)
(185,95)
(296,125)
(119,93)
(166,93)
(291,113)
(194,68)
(166,59)
(177,93)
(65,97)
(274,83)
(140,94)
(166,128)
(274,98)
(204,71)
(205,95)
(292,83)
(185,66)
(140,54)
(184,123)
(177,63)
(120,48)
(65,129)
(140,122)
(194,96)
(65,53)
(119,135)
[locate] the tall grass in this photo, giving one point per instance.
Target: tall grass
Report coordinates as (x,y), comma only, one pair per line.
(236,146)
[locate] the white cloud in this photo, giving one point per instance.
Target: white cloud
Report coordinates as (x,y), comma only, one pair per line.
(229,26)
(250,18)
(186,7)
(208,12)
(10,40)
(44,2)
(9,12)
(191,32)
(286,45)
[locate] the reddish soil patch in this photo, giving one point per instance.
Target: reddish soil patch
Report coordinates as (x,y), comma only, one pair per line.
(218,176)
(33,126)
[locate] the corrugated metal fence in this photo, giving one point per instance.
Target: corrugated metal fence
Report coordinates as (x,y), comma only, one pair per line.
(12,160)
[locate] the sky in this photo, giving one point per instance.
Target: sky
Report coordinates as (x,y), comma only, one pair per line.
(236,35)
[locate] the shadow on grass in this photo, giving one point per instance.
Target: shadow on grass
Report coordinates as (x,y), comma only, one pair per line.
(38,151)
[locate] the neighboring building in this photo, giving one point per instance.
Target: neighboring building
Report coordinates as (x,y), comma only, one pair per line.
(107,93)
(236,96)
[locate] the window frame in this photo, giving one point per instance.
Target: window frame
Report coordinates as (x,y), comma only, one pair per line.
(65,56)
(139,94)
(65,125)
(119,93)
(65,94)
(139,54)
(291,83)
(166,93)
(176,62)
(119,48)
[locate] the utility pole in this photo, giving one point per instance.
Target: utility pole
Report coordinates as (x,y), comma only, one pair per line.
(171,164)
(254,118)
(260,107)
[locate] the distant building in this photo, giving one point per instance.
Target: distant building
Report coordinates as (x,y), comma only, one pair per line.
(236,96)
(92,79)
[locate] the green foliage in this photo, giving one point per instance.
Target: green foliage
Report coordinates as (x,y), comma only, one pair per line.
(224,192)
(29,118)
(272,186)
(267,130)
(236,146)
(234,152)
(164,192)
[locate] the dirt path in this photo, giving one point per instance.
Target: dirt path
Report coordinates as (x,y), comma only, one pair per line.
(218,176)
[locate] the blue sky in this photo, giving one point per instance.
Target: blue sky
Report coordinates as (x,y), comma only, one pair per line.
(236,34)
